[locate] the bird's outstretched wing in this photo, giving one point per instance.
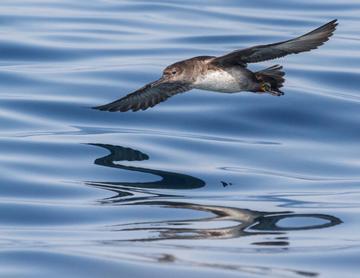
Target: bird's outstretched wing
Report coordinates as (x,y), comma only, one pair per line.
(259,53)
(147,96)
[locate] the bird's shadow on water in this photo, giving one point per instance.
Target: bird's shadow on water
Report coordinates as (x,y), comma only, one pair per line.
(244,222)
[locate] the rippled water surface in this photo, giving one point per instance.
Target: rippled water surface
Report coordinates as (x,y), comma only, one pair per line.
(203,185)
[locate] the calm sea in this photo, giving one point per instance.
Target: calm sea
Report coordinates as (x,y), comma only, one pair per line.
(203,185)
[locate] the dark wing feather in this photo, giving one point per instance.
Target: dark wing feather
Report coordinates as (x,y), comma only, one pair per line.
(259,53)
(147,96)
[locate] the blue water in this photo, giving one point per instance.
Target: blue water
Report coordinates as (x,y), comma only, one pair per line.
(202,185)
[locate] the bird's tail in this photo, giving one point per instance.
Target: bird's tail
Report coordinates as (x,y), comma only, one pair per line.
(271,80)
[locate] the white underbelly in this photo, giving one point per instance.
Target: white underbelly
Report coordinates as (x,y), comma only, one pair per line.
(220,81)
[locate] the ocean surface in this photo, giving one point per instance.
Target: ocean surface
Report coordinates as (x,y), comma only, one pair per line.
(202,185)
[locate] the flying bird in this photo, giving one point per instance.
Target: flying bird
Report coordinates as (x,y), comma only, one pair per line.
(226,74)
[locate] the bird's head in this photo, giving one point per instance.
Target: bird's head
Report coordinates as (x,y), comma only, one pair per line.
(173,73)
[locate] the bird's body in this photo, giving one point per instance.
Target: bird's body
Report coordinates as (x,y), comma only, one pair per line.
(226,74)
(230,79)
(225,81)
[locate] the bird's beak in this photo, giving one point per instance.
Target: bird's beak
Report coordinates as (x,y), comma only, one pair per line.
(159,81)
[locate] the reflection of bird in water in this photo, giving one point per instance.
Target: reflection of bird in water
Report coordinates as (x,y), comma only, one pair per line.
(227,74)
(245,222)
(168,179)
(239,222)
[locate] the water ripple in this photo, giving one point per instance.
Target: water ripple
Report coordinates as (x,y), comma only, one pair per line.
(204,184)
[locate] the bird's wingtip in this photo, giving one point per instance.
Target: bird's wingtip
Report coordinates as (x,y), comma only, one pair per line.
(107,107)
(333,22)
(101,107)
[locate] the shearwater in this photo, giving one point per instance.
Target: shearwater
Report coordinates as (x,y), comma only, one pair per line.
(226,74)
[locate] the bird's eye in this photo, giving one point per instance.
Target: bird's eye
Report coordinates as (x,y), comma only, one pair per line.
(173,72)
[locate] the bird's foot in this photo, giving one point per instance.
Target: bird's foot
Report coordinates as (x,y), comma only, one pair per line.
(266,88)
